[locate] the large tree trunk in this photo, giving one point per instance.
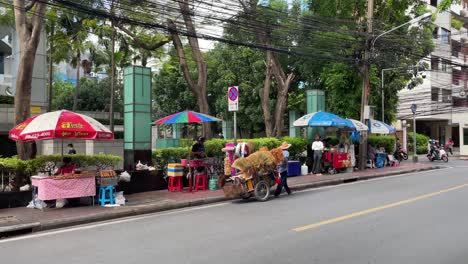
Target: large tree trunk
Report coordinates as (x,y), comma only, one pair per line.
(28,31)
(281,105)
(283,81)
(197,87)
(77,87)
(23,98)
(264,94)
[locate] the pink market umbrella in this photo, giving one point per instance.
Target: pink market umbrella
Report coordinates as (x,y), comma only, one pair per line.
(61,124)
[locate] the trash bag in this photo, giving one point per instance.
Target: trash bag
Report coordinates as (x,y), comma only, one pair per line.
(119,198)
(125,177)
(355,136)
(36,203)
(60,203)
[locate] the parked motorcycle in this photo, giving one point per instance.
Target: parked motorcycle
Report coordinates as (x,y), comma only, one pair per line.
(438,155)
(401,154)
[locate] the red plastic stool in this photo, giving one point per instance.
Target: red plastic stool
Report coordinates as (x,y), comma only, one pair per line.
(204,181)
(175,184)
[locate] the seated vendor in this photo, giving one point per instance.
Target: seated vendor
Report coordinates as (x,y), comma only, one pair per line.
(198,149)
(66,168)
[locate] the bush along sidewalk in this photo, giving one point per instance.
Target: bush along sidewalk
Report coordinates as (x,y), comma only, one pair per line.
(161,157)
(19,171)
(421,143)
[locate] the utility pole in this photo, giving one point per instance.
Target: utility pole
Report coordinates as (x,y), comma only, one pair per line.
(415,154)
(112,90)
(366,84)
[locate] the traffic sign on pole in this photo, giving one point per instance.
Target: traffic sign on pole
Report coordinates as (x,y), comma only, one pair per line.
(233,98)
(414,108)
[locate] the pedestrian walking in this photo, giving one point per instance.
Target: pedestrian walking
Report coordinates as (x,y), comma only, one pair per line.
(283,170)
(450,144)
(317,148)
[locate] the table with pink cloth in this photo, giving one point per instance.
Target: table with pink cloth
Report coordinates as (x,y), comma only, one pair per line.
(52,189)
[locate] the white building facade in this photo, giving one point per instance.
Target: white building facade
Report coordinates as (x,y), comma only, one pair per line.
(442,104)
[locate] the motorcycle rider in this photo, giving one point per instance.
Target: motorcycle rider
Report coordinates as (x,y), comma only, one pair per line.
(397,153)
(434,152)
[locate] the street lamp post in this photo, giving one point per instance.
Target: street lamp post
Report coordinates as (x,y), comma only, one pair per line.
(412,21)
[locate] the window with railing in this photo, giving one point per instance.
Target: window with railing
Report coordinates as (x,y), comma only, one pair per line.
(456,77)
(434,63)
(465,136)
(435,33)
(2,63)
(444,65)
(446,96)
(435,94)
(445,36)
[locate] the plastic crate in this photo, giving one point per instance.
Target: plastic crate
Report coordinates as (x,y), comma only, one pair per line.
(294,168)
(175,170)
(108,181)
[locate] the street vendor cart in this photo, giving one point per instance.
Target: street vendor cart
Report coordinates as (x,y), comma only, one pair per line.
(256,175)
(335,161)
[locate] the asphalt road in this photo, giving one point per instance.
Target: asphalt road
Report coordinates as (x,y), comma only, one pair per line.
(418,218)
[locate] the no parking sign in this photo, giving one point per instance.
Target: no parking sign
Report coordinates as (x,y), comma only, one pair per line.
(233,98)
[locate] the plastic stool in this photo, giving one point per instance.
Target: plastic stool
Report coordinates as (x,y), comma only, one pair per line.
(104,192)
(175,184)
(204,179)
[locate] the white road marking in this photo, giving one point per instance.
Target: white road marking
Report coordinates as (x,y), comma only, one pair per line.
(109,222)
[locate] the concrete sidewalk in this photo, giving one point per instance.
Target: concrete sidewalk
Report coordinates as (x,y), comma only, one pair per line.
(21,220)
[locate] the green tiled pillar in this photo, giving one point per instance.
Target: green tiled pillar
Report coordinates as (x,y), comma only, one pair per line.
(293,131)
(137,116)
(315,103)
(227,129)
(176,131)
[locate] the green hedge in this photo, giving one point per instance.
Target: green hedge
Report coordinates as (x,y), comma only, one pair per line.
(23,168)
(298,145)
(5,99)
(387,142)
(118,134)
(161,157)
(421,143)
(213,148)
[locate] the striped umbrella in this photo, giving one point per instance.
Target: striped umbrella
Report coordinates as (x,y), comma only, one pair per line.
(187,117)
(60,124)
(321,119)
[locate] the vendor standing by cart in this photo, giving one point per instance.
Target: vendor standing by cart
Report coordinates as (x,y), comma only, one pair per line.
(198,149)
(317,148)
(283,170)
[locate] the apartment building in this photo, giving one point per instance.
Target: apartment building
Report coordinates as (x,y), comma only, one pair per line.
(442,104)
(9,59)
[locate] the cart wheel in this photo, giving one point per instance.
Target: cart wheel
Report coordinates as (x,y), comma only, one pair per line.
(331,171)
(261,191)
(245,196)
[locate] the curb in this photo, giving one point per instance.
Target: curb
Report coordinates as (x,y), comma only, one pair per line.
(155,208)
